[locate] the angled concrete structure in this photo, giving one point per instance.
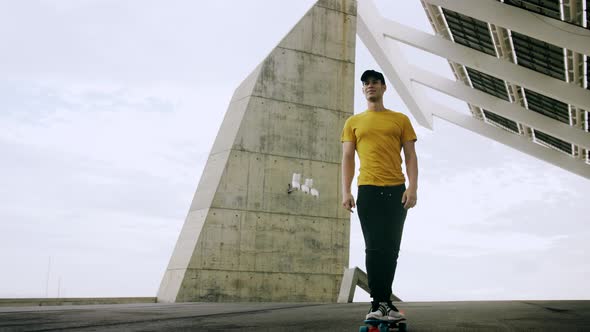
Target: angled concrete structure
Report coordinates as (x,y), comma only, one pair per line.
(248,235)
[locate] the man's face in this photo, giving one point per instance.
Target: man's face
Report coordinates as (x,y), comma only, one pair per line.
(373,89)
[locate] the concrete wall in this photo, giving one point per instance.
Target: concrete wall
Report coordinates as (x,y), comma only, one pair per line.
(245,238)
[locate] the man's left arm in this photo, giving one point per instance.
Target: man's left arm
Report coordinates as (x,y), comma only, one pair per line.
(410,195)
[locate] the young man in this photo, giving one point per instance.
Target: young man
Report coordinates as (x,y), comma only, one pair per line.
(378,136)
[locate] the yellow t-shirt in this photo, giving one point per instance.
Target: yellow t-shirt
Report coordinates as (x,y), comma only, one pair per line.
(379,136)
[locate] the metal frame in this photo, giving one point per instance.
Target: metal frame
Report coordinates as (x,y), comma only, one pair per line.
(483,41)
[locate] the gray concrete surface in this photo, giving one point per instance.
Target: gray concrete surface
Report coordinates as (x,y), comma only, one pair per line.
(422,316)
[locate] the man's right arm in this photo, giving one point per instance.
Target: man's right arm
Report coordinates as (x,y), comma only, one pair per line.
(348,150)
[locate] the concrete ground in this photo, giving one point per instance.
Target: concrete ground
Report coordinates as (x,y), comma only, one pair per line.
(422,316)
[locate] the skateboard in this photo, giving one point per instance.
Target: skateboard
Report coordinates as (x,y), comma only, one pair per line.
(377,325)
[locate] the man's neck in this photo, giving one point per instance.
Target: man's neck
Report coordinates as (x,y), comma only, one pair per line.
(376,106)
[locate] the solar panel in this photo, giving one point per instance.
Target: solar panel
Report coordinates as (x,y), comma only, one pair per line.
(539,56)
(551,8)
(470,32)
(501,121)
(535,54)
(553,141)
(547,106)
(488,83)
(548,8)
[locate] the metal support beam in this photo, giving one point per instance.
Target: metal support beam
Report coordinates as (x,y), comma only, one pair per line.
(506,109)
(517,142)
(551,87)
(369,23)
(375,29)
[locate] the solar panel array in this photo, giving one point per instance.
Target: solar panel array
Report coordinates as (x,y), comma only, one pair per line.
(539,56)
(470,32)
(548,8)
(530,53)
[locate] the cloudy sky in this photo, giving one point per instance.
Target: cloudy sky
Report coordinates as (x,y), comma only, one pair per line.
(108,110)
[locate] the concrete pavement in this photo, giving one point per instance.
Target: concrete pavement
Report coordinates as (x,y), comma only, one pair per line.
(422,316)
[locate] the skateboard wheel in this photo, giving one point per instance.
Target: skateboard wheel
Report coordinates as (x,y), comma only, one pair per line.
(364,329)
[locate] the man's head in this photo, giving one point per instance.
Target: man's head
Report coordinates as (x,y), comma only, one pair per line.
(373,85)
(372,74)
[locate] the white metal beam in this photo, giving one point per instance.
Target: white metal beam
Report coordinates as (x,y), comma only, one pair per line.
(369,23)
(506,109)
(517,142)
(534,25)
(546,85)
(375,31)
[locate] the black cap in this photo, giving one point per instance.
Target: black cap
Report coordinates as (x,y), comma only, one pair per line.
(372,74)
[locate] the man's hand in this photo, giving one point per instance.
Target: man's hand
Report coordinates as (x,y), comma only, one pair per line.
(409,198)
(348,202)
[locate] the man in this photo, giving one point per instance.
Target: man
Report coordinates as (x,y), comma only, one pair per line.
(378,136)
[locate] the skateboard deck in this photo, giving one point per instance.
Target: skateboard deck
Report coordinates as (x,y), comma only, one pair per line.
(377,325)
